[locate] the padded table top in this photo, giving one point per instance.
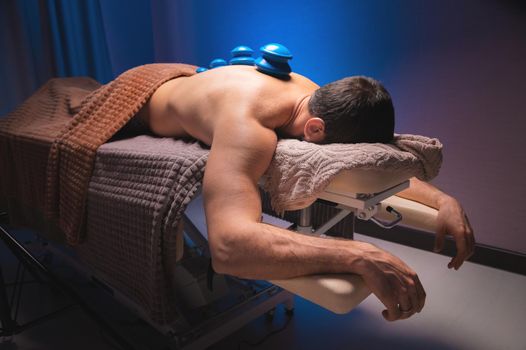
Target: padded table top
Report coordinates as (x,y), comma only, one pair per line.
(364,181)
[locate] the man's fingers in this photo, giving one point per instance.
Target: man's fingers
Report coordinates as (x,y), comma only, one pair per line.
(472,243)
(421,295)
(471,237)
(392,313)
(406,305)
(417,295)
(439,239)
(455,263)
(410,299)
(462,251)
(414,297)
(465,242)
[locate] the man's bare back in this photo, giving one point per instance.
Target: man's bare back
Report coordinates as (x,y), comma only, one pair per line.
(240,113)
(193,106)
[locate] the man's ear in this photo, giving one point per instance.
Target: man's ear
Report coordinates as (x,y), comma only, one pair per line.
(314,130)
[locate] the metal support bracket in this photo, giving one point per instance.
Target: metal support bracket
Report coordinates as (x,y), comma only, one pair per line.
(36,267)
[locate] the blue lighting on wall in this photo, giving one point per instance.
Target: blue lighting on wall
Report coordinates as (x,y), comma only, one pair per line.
(329,40)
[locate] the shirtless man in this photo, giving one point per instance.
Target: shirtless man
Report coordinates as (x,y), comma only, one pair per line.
(240,113)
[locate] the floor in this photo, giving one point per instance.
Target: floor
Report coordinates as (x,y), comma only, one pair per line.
(474,308)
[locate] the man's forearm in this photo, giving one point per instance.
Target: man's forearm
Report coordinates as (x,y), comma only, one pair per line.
(261,251)
(424,193)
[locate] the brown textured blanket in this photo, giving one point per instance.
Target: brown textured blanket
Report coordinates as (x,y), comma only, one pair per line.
(26,135)
(137,193)
(102,114)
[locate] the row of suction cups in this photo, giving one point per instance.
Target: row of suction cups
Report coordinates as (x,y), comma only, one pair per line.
(274,60)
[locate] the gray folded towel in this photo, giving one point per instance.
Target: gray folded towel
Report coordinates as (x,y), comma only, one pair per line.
(300,170)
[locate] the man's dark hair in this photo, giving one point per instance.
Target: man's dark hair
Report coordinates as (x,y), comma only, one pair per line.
(354,109)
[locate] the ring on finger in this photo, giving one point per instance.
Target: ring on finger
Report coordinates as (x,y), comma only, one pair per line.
(405,312)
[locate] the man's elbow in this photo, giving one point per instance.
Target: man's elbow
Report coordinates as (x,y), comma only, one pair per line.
(220,261)
(225,249)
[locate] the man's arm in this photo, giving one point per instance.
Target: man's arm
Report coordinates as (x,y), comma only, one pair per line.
(451,219)
(243,246)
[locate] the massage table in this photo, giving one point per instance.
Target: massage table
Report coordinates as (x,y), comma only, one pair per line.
(351,194)
(133,238)
(364,194)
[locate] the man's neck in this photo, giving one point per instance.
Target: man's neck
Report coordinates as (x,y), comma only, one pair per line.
(299,116)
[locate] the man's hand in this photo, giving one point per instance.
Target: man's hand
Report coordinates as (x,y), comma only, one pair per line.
(392,281)
(453,220)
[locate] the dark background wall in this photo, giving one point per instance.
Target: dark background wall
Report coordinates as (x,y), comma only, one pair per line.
(455,69)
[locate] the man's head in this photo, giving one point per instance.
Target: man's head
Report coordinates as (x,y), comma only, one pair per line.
(352,110)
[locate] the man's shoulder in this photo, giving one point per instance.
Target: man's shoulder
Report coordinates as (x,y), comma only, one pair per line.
(303,81)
